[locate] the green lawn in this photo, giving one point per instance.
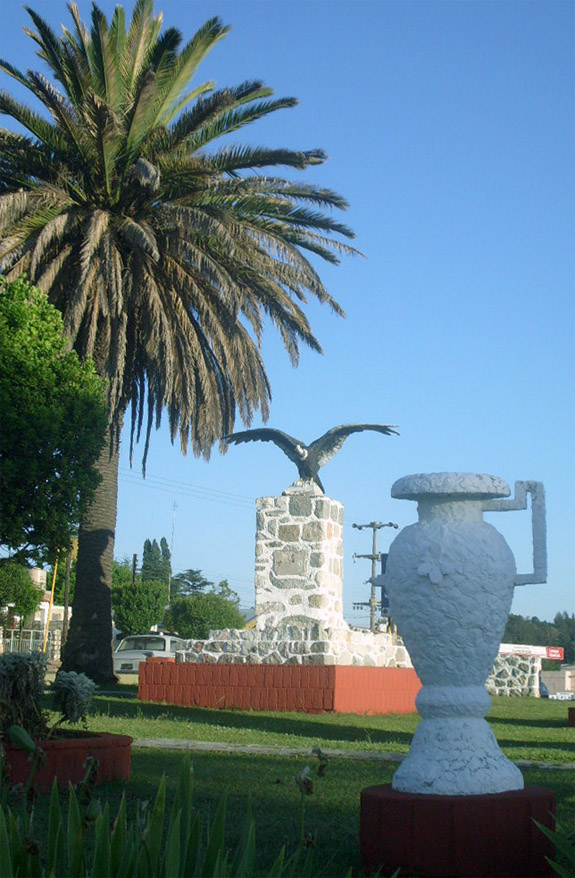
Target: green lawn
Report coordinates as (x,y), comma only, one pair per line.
(332,811)
(527,729)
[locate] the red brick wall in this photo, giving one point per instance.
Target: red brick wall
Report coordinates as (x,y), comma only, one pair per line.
(375,690)
(307,688)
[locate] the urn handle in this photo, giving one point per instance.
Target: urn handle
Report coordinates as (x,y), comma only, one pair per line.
(538,526)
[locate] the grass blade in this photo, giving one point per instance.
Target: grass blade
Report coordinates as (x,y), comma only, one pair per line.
(56,852)
(183,800)
(173,850)
(5,851)
(246,865)
(76,859)
(215,847)
(193,848)
(278,866)
(19,856)
(118,843)
(102,846)
(152,840)
(243,864)
(564,842)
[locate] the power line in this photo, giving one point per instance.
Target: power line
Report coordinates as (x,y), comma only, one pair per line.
(159,483)
(155,481)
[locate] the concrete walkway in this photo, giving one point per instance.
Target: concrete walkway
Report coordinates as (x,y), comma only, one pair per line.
(257,750)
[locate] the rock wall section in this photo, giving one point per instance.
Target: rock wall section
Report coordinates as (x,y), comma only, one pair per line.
(515,675)
(299,560)
(292,644)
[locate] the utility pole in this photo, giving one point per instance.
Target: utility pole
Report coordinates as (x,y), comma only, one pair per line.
(175,506)
(374,556)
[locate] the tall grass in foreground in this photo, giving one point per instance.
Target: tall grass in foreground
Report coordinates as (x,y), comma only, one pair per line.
(266,784)
(92,843)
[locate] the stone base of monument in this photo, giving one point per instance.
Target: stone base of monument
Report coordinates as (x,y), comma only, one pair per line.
(299,644)
(483,835)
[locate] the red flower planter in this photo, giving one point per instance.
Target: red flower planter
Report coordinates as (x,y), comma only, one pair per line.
(66,757)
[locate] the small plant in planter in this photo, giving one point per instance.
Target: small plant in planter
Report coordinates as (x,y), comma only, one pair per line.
(22,681)
(72,695)
(26,734)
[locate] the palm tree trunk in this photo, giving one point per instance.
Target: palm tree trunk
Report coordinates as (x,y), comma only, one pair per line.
(88,647)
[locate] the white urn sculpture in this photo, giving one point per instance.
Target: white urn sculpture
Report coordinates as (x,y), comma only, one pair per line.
(450,581)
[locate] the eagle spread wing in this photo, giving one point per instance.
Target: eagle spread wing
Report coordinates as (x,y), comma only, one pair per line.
(266,434)
(324,448)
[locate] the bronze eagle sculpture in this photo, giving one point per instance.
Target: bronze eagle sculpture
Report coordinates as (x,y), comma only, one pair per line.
(308,458)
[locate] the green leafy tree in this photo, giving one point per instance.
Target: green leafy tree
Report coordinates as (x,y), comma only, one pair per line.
(166,560)
(560,632)
(195,615)
(156,561)
(224,590)
(122,573)
(565,626)
(54,421)
(17,592)
(188,582)
(138,606)
(166,255)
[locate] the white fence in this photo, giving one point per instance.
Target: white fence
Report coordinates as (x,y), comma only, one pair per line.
(32,640)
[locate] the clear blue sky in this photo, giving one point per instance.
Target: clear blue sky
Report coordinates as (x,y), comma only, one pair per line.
(450,130)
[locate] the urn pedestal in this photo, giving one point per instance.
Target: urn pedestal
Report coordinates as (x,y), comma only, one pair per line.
(450,581)
(65,759)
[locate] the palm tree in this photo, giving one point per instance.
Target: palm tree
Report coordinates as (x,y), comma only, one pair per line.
(166,256)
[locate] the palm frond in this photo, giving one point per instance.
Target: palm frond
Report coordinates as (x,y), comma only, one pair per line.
(142,35)
(78,48)
(280,188)
(13,72)
(33,122)
(50,49)
(13,206)
(47,279)
(105,62)
(239,158)
(53,231)
(186,64)
(140,237)
(235,119)
(96,227)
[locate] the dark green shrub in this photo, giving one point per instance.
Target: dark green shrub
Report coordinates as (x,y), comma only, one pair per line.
(21,688)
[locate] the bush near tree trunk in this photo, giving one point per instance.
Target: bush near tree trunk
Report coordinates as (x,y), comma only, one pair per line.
(195,616)
(138,606)
(17,592)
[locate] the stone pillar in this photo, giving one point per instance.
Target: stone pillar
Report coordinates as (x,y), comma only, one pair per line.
(299,559)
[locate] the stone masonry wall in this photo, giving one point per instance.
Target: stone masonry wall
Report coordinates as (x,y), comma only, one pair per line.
(299,559)
(515,675)
(295,645)
(314,645)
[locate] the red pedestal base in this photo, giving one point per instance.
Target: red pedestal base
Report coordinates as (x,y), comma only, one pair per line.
(308,688)
(489,835)
(65,759)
